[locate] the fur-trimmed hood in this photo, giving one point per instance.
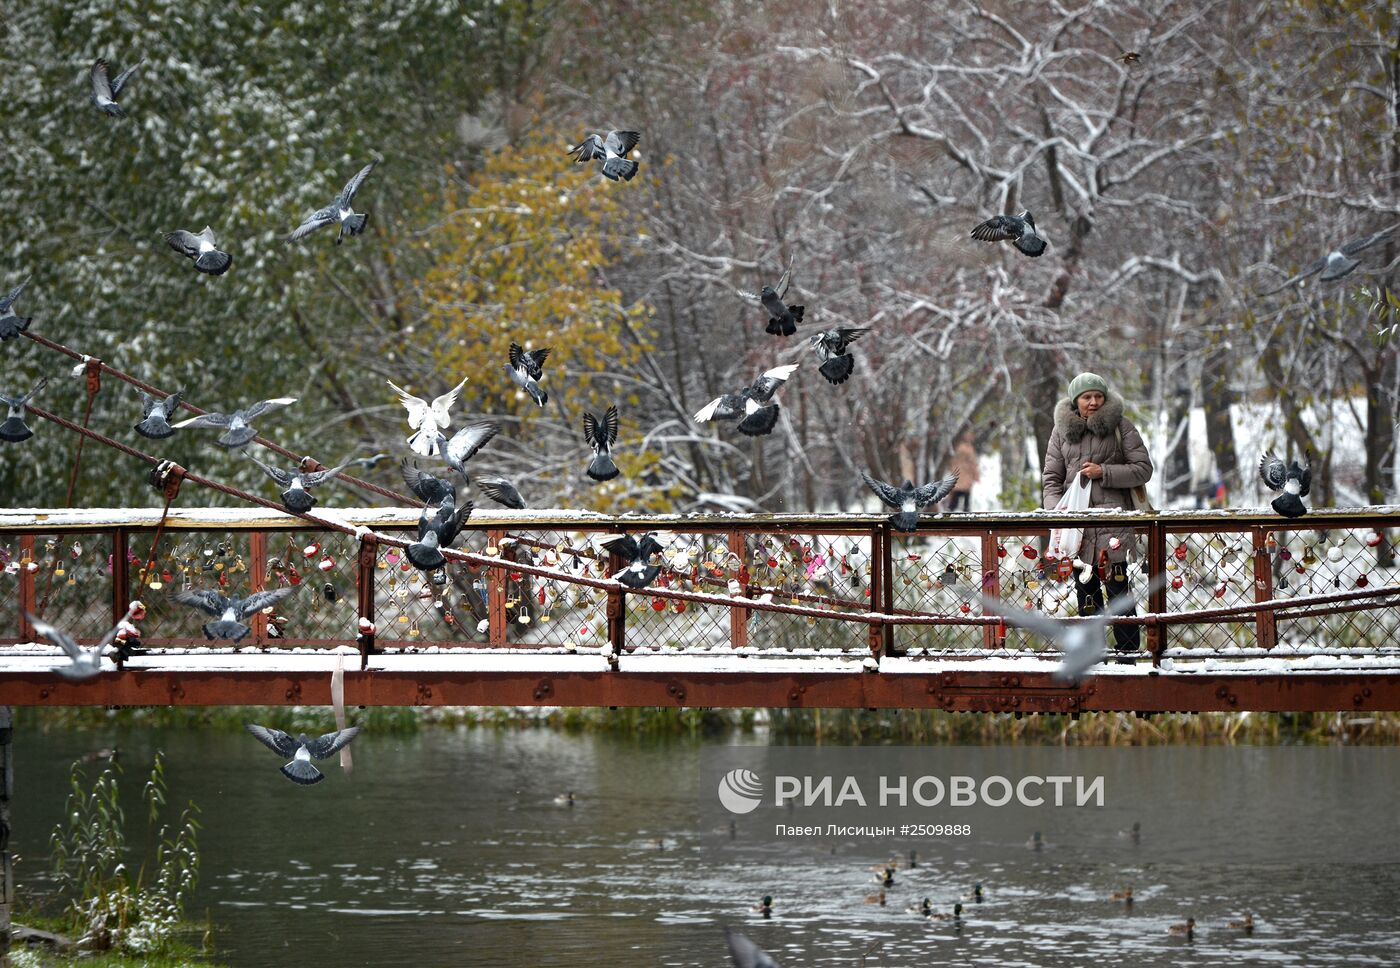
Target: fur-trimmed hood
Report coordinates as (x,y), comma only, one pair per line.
(1102,424)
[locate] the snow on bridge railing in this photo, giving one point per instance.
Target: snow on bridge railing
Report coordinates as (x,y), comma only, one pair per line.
(1237,584)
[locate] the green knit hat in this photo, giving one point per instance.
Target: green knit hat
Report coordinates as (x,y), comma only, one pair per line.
(1085,382)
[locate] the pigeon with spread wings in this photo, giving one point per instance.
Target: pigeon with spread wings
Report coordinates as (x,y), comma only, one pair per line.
(601,435)
(11,323)
(426,487)
(155,415)
(302,749)
(1338,262)
(437,529)
(501,491)
(465,443)
(636,553)
(13,429)
(82,663)
(296,484)
(909,500)
(526,368)
(338,211)
(612,150)
(1293,479)
(832,346)
(753,406)
(783,319)
(105,92)
(202,248)
(1019,230)
(427,420)
(230,614)
(239,424)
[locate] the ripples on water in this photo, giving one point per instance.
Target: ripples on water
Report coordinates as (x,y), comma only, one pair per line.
(446,848)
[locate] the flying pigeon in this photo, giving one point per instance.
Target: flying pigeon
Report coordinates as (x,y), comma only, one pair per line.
(338,211)
(612,150)
(13,428)
(84,664)
(295,484)
(230,613)
(783,318)
(1292,480)
(1338,262)
(11,325)
(1018,229)
(1084,642)
(837,364)
(239,423)
(601,435)
(202,248)
(105,94)
(501,491)
(428,421)
(156,414)
(1129,57)
(302,749)
(426,487)
(909,500)
(465,443)
(526,368)
(754,404)
(437,528)
(745,953)
(637,553)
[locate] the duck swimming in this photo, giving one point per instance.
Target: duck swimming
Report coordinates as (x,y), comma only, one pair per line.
(1188,929)
(876,899)
(1247,925)
(765,906)
(955,916)
(925,909)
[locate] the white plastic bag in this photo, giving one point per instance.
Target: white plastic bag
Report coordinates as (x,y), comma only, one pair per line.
(1064,542)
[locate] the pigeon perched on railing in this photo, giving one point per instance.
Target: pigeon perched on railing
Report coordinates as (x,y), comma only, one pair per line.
(105,92)
(783,319)
(83,664)
(601,435)
(745,953)
(501,491)
(526,368)
(437,528)
(612,150)
(239,423)
(426,487)
(752,406)
(202,248)
(230,614)
(427,420)
(1338,262)
(1018,229)
(465,443)
(339,211)
(155,415)
(1293,480)
(14,429)
(296,485)
(12,324)
(837,364)
(302,749)
(639,573)
(909,500)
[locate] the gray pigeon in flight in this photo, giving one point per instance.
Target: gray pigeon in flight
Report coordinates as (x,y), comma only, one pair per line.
(1338,262)
(230,614)
(13,429)
(203,249)
(339,210)
(156,414)
(831,346)
(612,150)
(426,487)
(239,423)
(639,572)
(752,406)
(11,324)
(745,953)
(783,319)
(464,445)
(1018,229)
(1084,642)
(296,485)
(302,749)
(526,368)
(83,664)
(437,528)
(909,500)
(1293,480)
(105,93)
(601,435)
(501,491)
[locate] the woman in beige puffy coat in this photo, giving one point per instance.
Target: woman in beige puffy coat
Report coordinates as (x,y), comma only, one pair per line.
(1092,435)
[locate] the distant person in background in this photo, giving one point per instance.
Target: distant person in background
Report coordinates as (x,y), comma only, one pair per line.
(965,466)
(1092,436)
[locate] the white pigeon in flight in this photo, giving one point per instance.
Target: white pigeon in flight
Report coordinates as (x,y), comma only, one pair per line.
(428,421)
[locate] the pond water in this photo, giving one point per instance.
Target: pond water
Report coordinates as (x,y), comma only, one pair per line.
(447,848)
